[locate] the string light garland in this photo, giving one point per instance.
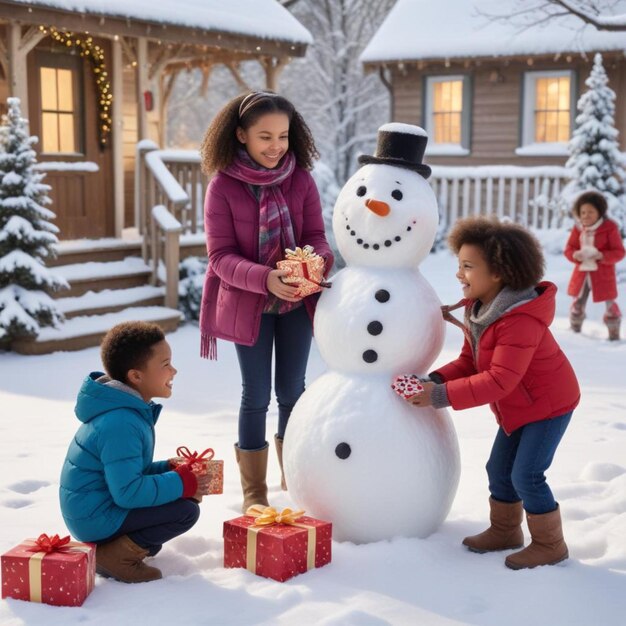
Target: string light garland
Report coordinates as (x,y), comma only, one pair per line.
(95,54)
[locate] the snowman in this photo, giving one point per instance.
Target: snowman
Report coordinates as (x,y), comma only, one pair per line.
(355,453)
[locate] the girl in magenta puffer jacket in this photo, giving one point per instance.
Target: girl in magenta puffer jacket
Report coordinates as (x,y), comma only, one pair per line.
(594,246)
(261,201)
(511,361)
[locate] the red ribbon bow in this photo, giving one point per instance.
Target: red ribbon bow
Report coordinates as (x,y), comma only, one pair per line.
(194,457)
(45,543)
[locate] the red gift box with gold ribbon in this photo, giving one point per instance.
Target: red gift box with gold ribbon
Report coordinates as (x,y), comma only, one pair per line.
(51,570)
(277,545)
(202,463)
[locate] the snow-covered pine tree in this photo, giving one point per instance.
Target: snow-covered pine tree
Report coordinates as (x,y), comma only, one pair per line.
(26,236)
(594,151)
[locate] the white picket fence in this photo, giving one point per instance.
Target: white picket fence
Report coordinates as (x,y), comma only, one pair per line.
(525,195)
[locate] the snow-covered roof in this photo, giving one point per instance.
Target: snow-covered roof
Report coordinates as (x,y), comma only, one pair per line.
(428,29)
(265,19)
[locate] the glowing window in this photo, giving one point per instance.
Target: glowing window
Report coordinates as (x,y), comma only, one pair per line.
(447,111)
(552,109)
(58,114)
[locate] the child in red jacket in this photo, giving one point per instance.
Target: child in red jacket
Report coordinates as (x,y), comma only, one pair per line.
(511,361)
(594,246)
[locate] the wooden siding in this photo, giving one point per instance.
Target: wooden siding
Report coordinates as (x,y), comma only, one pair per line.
(130,143)
(496,107)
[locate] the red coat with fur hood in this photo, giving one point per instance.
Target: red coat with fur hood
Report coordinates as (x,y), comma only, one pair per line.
(603,283)
(518,367)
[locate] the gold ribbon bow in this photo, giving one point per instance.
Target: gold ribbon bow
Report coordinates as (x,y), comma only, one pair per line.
(268,515)
(301,254)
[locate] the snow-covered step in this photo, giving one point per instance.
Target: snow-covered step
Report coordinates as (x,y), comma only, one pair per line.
(110,300)
(86,331)
(103,250)
(94,275)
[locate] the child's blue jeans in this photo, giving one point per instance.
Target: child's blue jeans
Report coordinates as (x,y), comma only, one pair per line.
(517,464)
(151,527)
(291,333)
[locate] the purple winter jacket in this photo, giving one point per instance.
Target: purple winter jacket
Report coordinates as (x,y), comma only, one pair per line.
(235,289)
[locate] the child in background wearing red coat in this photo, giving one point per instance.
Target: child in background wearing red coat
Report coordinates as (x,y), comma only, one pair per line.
(511,361)
(594,246)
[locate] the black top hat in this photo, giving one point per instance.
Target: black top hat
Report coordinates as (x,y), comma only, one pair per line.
(401,145)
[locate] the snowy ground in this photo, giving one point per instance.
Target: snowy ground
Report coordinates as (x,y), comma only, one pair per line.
(405,581)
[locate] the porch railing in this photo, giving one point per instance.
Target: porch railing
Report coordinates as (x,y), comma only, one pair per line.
(169,192)
(526,195)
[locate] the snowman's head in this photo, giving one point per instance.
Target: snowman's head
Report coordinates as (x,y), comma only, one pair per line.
(385,216)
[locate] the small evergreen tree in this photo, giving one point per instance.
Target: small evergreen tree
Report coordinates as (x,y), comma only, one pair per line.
(594,151)
(26,235)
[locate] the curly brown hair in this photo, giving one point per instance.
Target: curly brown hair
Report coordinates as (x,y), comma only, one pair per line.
(595,199)
(220,144)
(510,250)
(128,346)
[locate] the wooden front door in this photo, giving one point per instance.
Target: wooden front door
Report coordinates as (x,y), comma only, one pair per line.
(64,115)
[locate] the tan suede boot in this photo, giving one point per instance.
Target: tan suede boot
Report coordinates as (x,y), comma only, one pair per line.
(253,473)
(576,316)
(279,452)
(505,532)
(122,559)
(547,546)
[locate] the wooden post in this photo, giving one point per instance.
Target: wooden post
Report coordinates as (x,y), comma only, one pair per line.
(142,87)
(18,84)
(118,136)
(273,68)
(172,260)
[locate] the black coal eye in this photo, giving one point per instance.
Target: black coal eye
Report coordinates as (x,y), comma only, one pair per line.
(343,450)
(361,191)
(396,194)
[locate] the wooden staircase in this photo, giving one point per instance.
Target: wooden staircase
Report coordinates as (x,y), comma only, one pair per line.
(109,283)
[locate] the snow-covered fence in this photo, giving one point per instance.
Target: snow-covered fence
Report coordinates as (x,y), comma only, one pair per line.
(526,195)
(169,191)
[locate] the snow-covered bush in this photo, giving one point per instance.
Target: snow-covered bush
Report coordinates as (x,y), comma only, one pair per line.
(594,150)
(192,271)
(27,237)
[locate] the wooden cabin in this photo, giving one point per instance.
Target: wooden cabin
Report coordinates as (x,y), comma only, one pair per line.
(488,92)
(94,79)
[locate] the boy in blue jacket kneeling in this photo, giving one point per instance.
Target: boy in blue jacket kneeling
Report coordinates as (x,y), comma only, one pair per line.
(112,492)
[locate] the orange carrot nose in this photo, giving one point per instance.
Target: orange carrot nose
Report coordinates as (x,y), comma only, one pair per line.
(378,207)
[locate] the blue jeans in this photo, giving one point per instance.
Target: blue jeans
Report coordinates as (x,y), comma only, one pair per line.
(517,464)
(152,526)
(292,334)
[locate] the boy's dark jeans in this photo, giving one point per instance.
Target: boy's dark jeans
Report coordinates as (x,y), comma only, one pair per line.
(292,334)
(151,527)
(517,464)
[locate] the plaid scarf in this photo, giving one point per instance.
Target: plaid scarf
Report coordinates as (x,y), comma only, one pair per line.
(275,228)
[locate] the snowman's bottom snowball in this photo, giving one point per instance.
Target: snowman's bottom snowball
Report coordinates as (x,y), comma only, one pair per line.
(361,457)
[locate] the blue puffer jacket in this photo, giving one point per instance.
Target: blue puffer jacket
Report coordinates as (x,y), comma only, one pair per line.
(109,468)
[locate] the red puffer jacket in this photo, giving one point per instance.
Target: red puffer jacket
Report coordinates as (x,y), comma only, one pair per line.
(518,369)
(603,284)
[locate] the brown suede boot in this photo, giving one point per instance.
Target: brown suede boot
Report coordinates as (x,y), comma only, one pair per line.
(576,316)
(505,532)
(547,546)
(122,559)
(253,472)
(612,319)
(279,452)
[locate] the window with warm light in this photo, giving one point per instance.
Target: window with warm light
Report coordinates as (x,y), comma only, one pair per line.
(447,114)
(58,110)
(547,115)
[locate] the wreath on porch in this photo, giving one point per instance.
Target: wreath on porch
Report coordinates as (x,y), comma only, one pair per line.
(88,49)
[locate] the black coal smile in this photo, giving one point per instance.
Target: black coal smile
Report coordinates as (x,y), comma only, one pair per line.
(375,246)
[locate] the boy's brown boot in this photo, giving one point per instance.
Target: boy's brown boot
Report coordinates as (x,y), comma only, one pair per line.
(279,452)
(505,532)
(547,546)
(122,559)
(253,473)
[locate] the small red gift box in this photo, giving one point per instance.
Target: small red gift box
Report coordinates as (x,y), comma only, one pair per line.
(307,270)
(202,464)
(407,385)
(276,545)
(49,570)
